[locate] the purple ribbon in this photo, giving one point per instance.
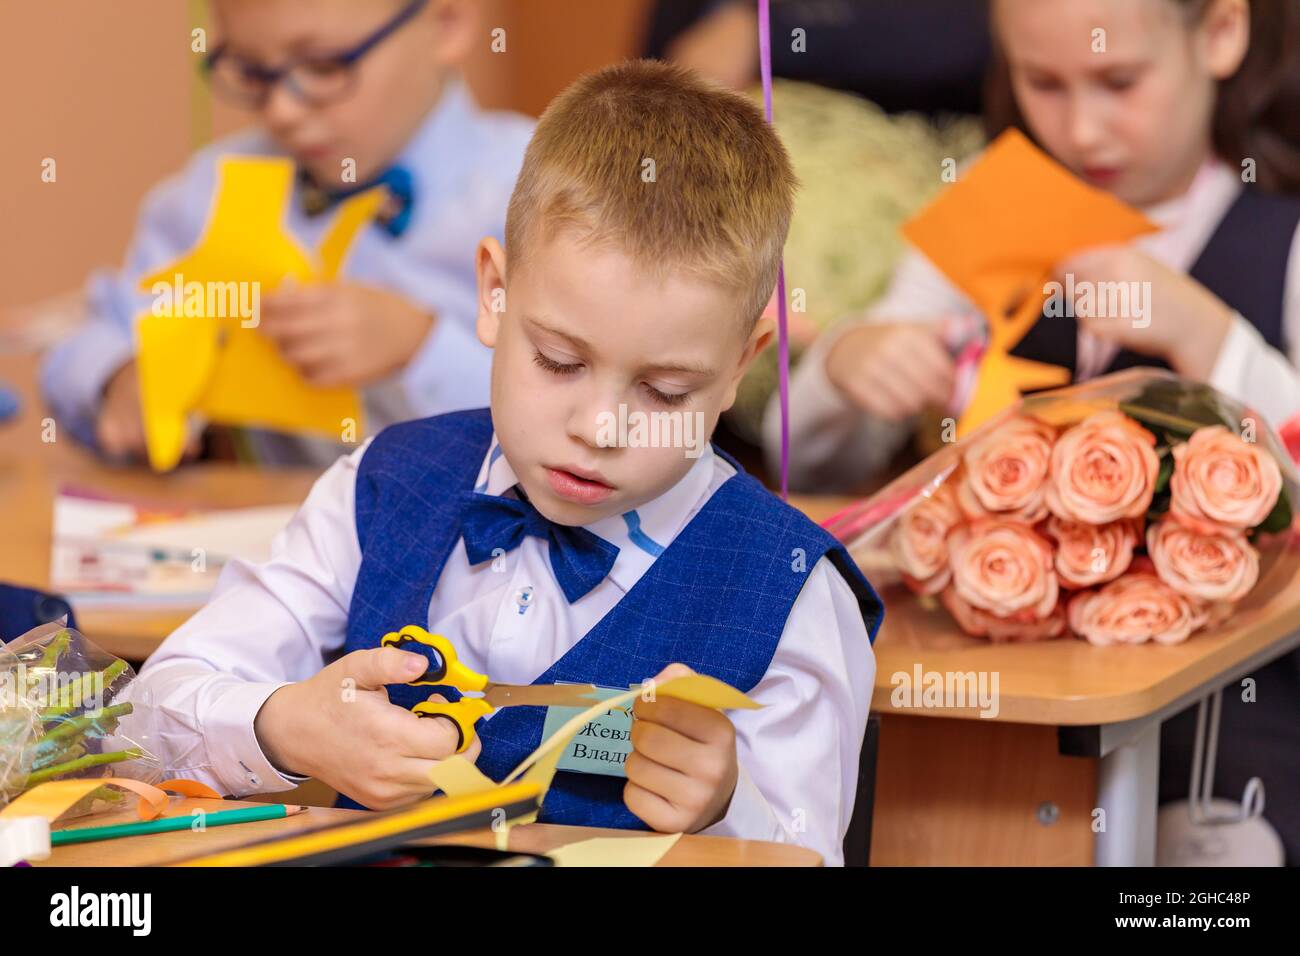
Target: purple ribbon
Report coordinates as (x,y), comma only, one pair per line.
(782,333)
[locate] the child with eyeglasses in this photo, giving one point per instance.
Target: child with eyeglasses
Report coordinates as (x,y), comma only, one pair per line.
(356,94)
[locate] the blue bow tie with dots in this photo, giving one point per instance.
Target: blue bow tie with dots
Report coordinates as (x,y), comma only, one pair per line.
(394,216)
(580,559)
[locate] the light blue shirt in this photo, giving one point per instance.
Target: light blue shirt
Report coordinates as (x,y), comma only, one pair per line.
(463,162)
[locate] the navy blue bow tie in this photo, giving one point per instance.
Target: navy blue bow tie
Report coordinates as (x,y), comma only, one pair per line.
(394,216)
(580,559)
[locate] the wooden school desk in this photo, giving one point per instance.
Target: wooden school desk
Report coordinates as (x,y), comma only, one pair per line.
(158,849)
(32,471)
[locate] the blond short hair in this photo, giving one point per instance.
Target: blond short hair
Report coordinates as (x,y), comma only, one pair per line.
(674,171)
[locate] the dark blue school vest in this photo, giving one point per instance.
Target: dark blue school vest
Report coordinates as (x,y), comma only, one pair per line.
(1244,264)
(716,600)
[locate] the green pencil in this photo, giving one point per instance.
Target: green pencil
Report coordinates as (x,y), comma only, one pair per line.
(213,818)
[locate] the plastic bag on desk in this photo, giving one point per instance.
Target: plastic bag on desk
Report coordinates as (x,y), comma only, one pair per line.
(62,703)
(1136,507)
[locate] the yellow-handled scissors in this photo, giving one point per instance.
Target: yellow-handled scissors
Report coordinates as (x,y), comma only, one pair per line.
(446,670)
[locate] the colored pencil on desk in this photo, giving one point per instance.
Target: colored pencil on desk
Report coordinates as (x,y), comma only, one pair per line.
(213,818)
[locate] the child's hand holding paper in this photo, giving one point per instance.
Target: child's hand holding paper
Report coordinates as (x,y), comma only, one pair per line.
(339,727)
(1176,318)
(343,333)
(201,351)
(893,370)
(682,770)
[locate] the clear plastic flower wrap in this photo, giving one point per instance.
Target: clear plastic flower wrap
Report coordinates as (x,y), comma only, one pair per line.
(63,706)
(1136,507)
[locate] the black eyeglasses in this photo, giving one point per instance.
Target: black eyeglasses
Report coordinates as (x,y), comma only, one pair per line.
(317,80)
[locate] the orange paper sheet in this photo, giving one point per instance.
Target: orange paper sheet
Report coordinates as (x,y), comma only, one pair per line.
(54,798)
(997,234)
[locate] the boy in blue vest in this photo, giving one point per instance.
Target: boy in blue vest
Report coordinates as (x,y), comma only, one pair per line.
(553,537)
(356,94)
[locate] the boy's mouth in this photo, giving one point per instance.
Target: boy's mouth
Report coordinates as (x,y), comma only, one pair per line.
(1101,175)
(579,486)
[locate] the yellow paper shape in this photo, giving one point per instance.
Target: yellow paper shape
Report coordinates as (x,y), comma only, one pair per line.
(457,777)
(615,851)
(175,361)
(997,234)
(197,359)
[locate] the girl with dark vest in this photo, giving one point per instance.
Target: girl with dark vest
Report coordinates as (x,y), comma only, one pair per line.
(551,541)
(1190,111)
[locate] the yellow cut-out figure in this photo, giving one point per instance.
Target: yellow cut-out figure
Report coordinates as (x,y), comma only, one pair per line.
(200,355)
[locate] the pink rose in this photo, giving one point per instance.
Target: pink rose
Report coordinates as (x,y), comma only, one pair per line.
(1134,609)
(1222,483)
(1207,567)
(978,623)
(1006,471)
(1092,554)
(919,541)
(1103,470)
(1004,568)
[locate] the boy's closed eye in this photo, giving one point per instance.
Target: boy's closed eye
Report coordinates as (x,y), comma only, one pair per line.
(565,368)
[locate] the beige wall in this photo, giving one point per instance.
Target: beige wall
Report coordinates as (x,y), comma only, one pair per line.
(107,90)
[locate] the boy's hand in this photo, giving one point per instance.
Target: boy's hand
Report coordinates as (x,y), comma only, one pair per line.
(339,727)
(119,429)
(682,770)
(892,370)
(1180,320)
(342,333)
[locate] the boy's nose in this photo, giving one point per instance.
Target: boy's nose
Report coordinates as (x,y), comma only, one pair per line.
(282,110)
(1084,122)
(590,422)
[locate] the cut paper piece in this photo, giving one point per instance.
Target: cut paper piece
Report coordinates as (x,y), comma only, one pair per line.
(615,851)
(189,788)
(193,362)
(54,798)
(457,777)
(1013,215)
(539,766)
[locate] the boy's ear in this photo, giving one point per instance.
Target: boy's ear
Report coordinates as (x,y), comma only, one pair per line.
(456,24)
(759,339)
(490,267)
(1226,30)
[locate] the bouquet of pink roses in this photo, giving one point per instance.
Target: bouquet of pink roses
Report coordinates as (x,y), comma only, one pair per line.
(1138,507)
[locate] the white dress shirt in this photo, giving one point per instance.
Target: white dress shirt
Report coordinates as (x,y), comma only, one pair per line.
(270,624)
(835,444)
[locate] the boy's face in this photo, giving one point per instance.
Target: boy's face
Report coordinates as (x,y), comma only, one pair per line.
(1120,91)
(584,331)
(396,83)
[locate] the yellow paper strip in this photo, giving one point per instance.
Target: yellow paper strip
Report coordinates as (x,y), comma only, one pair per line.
(368,828)
(615,851)
(457,777)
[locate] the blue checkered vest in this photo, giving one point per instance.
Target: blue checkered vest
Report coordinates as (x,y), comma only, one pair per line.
(716,600)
